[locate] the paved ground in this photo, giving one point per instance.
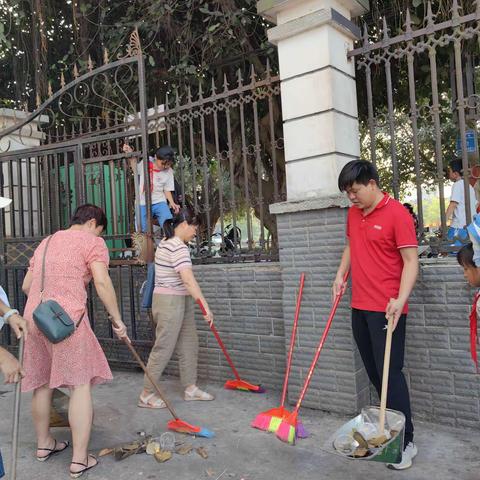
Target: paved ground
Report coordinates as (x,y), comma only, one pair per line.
(238,451)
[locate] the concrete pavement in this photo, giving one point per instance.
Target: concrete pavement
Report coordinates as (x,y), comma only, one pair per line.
(238,451)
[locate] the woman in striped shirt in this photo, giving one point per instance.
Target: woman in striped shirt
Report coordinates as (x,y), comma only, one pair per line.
(173,311)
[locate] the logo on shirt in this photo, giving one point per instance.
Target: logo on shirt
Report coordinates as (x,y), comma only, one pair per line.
(377,227)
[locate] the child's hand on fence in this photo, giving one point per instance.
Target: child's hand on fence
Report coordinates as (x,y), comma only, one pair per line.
(127,148)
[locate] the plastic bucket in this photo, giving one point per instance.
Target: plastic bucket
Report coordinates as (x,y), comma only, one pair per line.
(390,452)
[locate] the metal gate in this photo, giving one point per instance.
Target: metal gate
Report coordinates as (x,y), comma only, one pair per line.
(81,129)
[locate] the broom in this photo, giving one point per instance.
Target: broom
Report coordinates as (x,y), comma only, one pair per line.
(271,419)
(287,430)
(176,424)
(238,383)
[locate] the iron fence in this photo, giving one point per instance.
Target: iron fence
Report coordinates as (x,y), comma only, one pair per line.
(419,106)
(230,162)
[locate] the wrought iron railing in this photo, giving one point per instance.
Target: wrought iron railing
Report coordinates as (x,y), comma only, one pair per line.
(418,100)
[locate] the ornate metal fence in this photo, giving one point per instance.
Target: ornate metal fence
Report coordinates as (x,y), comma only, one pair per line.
(420,104)
(230,162)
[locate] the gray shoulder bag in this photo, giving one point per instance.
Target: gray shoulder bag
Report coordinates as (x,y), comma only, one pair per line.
(51,319)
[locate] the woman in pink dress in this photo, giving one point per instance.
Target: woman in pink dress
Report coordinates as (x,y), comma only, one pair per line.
(73,258)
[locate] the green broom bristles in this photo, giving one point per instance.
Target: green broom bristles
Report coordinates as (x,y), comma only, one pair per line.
(274,424)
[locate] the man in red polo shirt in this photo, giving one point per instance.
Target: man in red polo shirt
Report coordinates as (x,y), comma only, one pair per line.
(381,252)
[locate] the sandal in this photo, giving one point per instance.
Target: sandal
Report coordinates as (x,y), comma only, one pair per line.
(52,451)
(197,395)
(81,472)
(151,401)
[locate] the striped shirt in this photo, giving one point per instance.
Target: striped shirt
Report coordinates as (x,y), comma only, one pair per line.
(172,256)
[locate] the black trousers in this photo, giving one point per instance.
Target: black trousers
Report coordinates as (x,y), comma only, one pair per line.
(370,335)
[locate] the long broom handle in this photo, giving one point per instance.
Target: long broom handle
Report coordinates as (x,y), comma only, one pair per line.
(320,345)
(292,340)
(219,340)
(386,369)
(128,343)
(16,417)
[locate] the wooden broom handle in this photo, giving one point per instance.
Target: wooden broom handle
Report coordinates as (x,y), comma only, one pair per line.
(386,368)
(130,346)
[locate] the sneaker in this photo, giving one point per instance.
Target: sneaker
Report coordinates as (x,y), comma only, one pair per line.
(409,453)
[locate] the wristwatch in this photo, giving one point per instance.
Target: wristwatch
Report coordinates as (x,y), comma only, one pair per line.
(9,314)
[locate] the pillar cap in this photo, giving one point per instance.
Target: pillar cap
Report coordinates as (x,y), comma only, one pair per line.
(270,8)
(316,203)
(313,20)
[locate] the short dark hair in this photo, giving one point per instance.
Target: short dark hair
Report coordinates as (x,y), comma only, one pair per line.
(184,215)
(166,153)
(465,256)
(87,212)
(456,166)
(357,171)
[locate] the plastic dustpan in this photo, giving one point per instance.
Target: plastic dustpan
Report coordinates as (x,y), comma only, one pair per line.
(390,452)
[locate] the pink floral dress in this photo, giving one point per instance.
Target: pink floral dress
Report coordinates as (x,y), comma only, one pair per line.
(79,359)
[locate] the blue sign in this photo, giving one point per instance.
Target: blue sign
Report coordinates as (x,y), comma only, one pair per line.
(471,140)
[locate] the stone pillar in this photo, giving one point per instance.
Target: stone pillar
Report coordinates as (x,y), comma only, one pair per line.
(319,107)
(28,136)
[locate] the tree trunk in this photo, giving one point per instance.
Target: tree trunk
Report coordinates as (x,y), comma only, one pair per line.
(40,48)
(80,30)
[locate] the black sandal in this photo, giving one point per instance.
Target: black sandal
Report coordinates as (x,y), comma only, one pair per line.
(52,451)
(81,472)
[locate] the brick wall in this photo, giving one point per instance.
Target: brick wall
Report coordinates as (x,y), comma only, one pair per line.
(246,300)
(312,242)
(443,383)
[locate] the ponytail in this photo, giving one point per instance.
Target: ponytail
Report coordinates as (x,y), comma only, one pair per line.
(184,215)
(168,229)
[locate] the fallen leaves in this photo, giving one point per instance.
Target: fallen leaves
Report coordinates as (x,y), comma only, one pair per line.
(105,451)
(202,452)
(184,449)
(162,456)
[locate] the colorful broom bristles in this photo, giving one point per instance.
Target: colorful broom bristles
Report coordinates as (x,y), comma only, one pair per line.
(181,426)
(287,429)
(271,419)
(244,386)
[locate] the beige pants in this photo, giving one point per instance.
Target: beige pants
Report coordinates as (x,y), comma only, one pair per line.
(175,332)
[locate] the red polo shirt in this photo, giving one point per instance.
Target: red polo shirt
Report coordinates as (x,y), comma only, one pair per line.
(375,243)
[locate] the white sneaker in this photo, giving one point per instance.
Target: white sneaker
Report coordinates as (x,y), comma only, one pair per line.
(409,453)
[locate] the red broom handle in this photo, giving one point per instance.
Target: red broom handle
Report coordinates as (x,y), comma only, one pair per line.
(320,345)
(219,340)
(292,340)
